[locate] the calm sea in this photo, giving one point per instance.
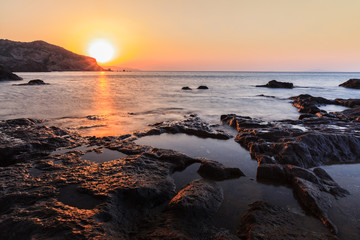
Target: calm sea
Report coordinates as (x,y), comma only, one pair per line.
(126,101)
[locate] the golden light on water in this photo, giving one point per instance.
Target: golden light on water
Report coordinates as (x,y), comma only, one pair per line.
(102,50)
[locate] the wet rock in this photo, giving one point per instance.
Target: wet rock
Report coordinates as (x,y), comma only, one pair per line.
(313,189)
(178,160)
(186,88)
(348,102)
(276,84)
(306,115)
(351,83)
(216,171)
(264,221)
(308,104)
(282,142)
(198,198)
(203,87)
(25,139)
(191,125)
(188,215)
(6,74)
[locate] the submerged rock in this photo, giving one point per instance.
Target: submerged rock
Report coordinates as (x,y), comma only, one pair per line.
(217,171)
(313,189)
(276,84)
(351,83)
(267,222)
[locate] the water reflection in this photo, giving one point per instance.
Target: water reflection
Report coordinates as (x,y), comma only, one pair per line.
(103,121)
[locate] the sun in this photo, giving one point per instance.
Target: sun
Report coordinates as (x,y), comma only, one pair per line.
(102,50)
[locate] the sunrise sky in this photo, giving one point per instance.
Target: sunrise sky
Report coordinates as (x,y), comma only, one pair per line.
(254,35)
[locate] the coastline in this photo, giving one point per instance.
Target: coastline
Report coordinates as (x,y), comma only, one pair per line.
(138,190)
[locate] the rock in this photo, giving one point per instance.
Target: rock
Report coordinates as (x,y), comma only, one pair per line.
(23,139)
(280,142)
(33,82)
(39,56)
(308,104)
(186,88)
(191,125)
(36,82)
(216,171)
(313,189)
(266,222)
(348,102)
(203,87)
(351,83)
(6,74)
(276,84)
(198,198)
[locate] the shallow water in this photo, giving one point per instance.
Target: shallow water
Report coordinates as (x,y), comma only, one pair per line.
(238,193)
(124,102)
(345,213)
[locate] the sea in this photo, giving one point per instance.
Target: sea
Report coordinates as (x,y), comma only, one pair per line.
(117,103)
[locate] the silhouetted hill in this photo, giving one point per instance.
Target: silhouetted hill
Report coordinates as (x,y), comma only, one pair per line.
(40,56)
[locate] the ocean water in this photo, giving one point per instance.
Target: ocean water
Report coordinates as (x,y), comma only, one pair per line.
(114,103)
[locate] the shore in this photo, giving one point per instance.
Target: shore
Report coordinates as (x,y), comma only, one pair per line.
(127,190)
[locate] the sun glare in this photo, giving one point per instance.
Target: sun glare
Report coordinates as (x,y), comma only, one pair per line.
(102,50)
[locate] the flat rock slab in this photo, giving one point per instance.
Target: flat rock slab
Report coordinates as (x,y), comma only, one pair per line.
(277,84)
(266,222)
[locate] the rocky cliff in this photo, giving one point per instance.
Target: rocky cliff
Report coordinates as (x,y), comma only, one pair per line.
(40,56)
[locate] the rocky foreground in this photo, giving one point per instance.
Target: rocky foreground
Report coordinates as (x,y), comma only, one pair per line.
(50,195)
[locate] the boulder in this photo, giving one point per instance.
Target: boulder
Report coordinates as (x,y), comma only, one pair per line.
(186,88)
(216,171)
(203,87)
(351,83)
(36,82)
(198,198)
(276,84)
(6,74)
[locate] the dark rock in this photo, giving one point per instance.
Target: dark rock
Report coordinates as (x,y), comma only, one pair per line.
(312,188)
(202,87)
(216,171)
(6,74)
(39,56)
(351,83)
(188,215)
(280,141)
(348,102)
(23,139)
(36,82)
(276,84)
(308,104)
(192,125)
(306,115)
(266,222)
(186,88)
(198,198)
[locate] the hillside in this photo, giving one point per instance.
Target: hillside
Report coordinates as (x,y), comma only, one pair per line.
(40,56)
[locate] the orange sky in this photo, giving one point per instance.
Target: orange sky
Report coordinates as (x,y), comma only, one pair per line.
(255,35)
